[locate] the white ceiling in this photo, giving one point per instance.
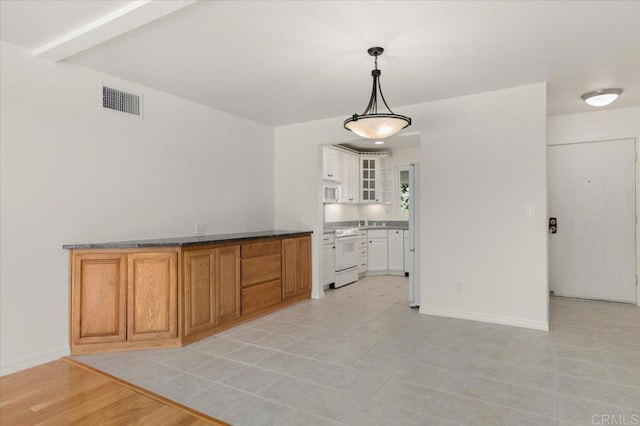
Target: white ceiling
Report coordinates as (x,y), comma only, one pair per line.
(286,62)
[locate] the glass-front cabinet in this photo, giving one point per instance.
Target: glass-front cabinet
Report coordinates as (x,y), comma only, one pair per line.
(375,179)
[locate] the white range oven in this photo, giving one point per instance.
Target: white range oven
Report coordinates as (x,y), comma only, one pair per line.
(347,256)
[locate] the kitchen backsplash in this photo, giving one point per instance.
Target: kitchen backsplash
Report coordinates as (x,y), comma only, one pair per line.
(355,212)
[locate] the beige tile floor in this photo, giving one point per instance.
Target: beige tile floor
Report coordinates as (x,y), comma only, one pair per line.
(361,356)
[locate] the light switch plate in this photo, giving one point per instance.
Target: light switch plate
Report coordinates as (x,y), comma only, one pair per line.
(531,209)
(201,228)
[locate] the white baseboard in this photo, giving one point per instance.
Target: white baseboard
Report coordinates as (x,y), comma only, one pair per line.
(32,361)
(494,319)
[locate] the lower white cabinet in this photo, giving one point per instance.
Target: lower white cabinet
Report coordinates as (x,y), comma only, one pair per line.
(363,247)
(328,259)
(378,250)
(395,250)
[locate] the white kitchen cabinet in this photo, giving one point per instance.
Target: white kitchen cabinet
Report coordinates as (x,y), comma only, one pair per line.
(406,258)
(395,250)
(350,172)
(331,167)
(375,179)
(328,259)
(363,248)
(377,250)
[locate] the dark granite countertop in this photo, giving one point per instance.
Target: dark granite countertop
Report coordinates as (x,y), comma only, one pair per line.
(188,241)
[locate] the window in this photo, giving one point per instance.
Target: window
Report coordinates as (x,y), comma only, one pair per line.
(404,191)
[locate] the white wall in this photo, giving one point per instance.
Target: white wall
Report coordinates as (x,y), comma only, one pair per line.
(71,172)
(483,159)
(622,123)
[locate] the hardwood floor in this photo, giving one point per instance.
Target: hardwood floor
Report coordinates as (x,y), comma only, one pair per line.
(63,392)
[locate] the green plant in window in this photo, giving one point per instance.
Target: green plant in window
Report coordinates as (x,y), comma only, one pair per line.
(404,197)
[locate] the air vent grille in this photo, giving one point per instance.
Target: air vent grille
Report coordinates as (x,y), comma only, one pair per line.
(119,100)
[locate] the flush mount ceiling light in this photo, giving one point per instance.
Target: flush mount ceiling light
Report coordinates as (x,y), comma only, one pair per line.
(371,124)
(601,97)
(379,143)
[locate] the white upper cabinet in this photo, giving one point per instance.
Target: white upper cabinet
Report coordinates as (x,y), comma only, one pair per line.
(375,179)
(395,250)
(350,171)
(331,166)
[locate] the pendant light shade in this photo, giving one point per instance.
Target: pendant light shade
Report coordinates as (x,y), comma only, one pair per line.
(371,124)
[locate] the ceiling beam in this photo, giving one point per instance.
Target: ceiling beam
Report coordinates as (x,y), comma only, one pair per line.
(133,15)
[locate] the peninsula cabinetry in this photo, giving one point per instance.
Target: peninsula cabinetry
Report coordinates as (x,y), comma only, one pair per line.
(124,297)
(296,271)
(171,292)
(211,287)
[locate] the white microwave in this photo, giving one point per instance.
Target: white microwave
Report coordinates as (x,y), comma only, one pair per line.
(330,193)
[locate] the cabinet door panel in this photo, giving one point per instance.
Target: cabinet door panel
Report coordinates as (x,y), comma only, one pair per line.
(99,298)
(289,267)
(328,264)
(199,277)
(228,283)
(304,265)
(377,254)
(152,296)
(395,253)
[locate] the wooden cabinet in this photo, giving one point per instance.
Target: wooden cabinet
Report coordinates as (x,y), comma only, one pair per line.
(261,275)
(98,298)
(211,287)
(296,262)
(119,297)
(395,252)
(378,250)
(331,167)
(131,298)
(350,178)
(228,283)
(152,287)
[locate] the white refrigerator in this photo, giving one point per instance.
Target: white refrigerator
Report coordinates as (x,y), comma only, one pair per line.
(414,235)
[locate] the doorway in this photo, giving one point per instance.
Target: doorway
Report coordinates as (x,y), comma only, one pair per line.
(592,249)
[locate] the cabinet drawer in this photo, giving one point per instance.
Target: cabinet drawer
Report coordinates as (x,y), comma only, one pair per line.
(363,234)
(362,244)
(261,249)
(328,238)
(261,296)
(377,233)
(261,269)
(362,268)
(363,253)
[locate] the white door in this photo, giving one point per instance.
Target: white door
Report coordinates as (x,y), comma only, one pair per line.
(592,195)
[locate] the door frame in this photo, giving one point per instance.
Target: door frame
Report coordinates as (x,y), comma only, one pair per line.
(560,142)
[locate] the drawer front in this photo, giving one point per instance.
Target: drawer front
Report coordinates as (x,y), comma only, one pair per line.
(261,249)
(363,234)
(261,269)
(362,267)
(362,244)
(377,233)
(328,238)
(363,253)
(261,296)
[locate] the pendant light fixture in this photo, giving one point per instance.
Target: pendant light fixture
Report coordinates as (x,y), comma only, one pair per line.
(372,124)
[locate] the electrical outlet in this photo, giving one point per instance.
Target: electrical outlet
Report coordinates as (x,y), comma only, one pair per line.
(201,228)
(531,209)
(459,286)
